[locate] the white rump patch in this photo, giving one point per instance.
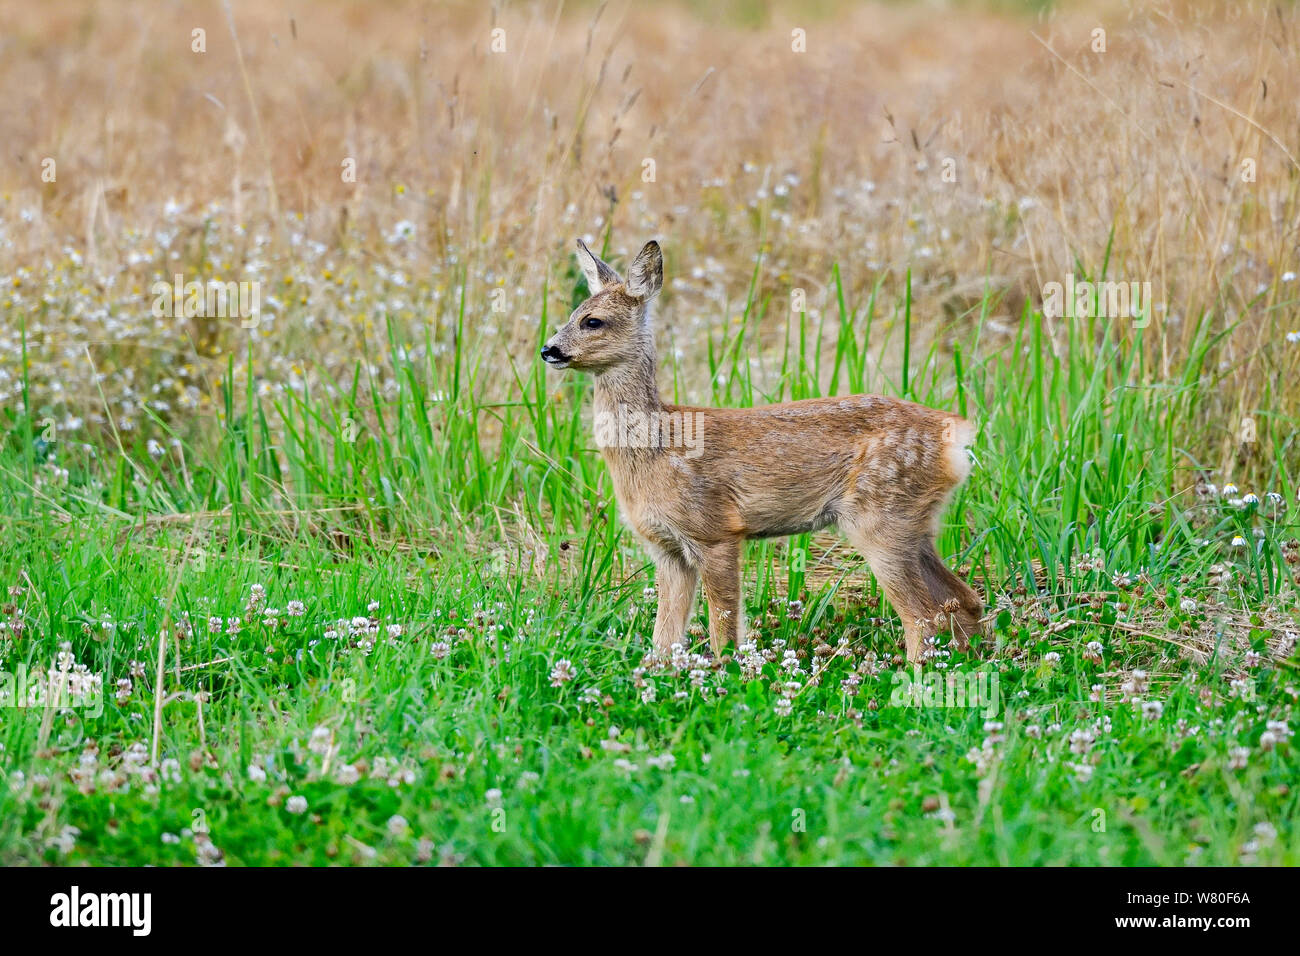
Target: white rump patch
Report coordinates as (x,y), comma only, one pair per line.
(958,436)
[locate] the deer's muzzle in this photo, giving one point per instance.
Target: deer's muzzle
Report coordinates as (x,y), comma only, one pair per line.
(553,356)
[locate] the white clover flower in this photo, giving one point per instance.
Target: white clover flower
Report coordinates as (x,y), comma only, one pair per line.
(296,804)
(1081,741)
(562,672)
(1281,729)
(66,839)
(321,739)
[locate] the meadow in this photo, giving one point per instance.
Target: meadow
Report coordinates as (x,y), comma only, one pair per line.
(339,579)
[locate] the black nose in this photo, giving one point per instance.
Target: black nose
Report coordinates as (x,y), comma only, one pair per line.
(551,354)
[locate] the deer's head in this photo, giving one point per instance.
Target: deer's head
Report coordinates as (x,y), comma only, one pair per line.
(611,328)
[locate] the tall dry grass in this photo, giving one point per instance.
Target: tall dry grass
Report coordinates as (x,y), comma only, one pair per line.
(227,164)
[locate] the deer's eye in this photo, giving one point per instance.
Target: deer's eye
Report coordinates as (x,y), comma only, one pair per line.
(591,322)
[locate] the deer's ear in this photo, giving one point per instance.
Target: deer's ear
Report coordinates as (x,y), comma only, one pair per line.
(597,272)
(646,277)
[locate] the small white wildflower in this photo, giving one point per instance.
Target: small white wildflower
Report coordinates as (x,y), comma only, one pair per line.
(403,231)
(321,738)
(562,672)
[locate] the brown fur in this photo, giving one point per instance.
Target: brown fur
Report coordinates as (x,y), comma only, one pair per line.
(880,468)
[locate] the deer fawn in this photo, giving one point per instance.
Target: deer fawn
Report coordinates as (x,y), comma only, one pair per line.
(694,483)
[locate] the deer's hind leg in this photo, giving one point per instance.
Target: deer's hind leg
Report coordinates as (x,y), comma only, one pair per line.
(928,597)
(960,608)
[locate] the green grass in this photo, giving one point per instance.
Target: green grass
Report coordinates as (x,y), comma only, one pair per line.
(486,532)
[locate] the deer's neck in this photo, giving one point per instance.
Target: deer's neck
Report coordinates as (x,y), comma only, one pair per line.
(630,388)
(626,408)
